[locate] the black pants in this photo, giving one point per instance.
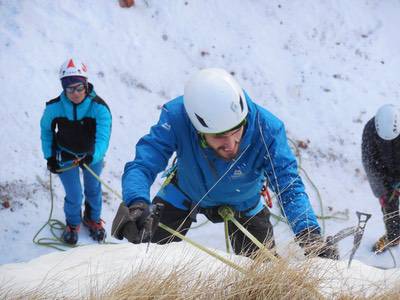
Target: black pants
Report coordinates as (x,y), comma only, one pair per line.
(258,225)
(391,217)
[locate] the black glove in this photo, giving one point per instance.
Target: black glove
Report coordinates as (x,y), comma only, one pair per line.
(131,223)
(52,165)
(314,245)
(86,160)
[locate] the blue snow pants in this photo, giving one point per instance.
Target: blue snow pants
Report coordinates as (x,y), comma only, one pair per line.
(73,193)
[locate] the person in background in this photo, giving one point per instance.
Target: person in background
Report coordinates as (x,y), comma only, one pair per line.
(226,148)
(381,160)
(75,131)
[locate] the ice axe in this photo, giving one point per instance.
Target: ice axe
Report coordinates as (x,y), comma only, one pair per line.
(357,231)
(149,223)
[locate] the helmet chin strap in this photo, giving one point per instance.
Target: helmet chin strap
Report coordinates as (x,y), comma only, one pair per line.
(203,142)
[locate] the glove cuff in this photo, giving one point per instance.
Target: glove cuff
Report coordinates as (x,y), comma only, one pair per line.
(308,235)
(136,200)
(314,245)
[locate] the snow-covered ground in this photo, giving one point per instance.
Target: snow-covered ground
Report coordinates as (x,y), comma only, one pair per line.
(81,271)
(323,67)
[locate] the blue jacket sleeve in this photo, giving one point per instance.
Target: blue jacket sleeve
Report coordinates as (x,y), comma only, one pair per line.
(46,135)
(152,154)
(284,180)
(103,132)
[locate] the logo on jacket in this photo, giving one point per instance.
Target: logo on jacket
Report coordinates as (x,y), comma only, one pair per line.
(237,173)
(166,126)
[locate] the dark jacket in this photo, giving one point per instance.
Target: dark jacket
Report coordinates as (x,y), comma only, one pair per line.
(381,160)
(69,129)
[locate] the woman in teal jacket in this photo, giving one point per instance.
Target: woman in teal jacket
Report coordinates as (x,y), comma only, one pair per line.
(75,130)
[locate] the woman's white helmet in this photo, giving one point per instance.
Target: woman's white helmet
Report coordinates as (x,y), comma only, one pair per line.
(73,67)
(387,122)
(214,101)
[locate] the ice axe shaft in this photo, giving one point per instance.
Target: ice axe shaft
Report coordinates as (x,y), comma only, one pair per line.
(149,222)
(342,234)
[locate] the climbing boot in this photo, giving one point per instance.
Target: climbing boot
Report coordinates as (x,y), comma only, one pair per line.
(96,229)
(70,234)
(384,243)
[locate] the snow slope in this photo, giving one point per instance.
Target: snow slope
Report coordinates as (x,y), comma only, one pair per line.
(324,67)
(79,272)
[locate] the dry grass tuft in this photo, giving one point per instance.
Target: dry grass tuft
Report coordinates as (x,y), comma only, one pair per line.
(386,295)
(153,284)
(263,280)
(271,280)
(34,294)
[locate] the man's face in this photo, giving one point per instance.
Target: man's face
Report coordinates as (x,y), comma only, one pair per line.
(226,145)
(76,92)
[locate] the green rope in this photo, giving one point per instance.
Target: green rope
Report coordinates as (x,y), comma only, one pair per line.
(223,214)
(55,242)
(226,231)
(395,192)
(321,205)
(338,215)
(298,156)
(227,241)
(227,213)
(66,168)
(55,226)
(102,181)
(202,248)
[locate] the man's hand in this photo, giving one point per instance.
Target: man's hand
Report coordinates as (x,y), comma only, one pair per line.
(130,223)
(52,165)
(314,245)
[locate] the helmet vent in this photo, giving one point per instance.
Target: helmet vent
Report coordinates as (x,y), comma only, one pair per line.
(241,103)
(202,122)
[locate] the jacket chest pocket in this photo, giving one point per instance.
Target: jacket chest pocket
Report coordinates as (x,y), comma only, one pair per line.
(244,172)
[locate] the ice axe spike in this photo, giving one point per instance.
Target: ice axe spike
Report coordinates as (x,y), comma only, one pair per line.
(149,222)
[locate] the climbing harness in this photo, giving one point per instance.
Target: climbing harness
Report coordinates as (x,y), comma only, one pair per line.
(266,195)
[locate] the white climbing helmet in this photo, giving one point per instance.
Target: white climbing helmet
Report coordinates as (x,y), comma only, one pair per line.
(73,67)
(214,101)
(387,122)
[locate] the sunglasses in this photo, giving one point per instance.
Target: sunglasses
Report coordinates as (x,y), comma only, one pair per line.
(231,131)
(78,88)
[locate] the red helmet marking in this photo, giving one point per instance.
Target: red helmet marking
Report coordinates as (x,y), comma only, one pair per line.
(71,64)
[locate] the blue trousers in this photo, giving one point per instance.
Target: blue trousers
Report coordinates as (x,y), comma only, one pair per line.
(73,193)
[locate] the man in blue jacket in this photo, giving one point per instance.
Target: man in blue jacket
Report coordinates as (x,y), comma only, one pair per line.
(75,130)
(226,148)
